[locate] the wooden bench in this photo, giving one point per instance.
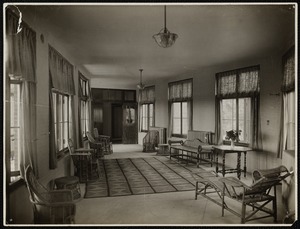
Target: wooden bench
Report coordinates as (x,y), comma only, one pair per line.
(196,148)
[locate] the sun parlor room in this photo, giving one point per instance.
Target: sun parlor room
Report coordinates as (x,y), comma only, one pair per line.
(150,114)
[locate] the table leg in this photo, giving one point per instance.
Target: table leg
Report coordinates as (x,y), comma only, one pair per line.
(223,163)
(239,165)
(198,160)
(245,165)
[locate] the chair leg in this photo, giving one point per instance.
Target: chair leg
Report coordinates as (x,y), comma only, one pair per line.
(243,216)
(196,191)
(275,205)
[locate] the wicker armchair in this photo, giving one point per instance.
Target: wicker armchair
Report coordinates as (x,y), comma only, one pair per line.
(105,140)
(85,167)
(150,141)
(49,207)
(96,146)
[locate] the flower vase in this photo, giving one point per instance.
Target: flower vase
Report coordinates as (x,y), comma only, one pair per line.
(231,143)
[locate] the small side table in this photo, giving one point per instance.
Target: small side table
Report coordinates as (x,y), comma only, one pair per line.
(69,182)
(163,149)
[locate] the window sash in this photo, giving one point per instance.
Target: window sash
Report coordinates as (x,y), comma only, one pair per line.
(180,119)
(147,116)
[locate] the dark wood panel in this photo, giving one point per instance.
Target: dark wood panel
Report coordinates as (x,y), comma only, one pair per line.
(117,122)
(130,124)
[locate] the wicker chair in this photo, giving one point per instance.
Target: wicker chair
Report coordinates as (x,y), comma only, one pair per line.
(96,146)
(49,207)
(150,141)
(105,140)
(257,195)
(85,167)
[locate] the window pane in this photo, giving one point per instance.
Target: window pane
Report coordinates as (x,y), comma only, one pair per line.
(176,110)
(15,105)
(228,115)
(184,110)
(176,118)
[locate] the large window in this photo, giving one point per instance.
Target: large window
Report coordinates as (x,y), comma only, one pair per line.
(15,130)
(237,96)
(62,121)
(180,102)
(84,95)
(147,108)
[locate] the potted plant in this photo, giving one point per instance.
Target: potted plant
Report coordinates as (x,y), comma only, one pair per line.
(233,136)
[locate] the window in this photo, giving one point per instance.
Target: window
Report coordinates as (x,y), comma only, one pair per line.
(15,129)
(180,102)
(84,95)
(237,93)
(147,116)
(147,108)
(62,121)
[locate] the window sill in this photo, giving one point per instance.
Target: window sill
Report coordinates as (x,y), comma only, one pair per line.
(16,184)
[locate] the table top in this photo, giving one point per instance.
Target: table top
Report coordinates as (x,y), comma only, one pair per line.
(232,149)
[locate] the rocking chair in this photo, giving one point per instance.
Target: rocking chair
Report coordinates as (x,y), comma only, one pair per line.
(96,146)
(49,207)
(257,195)
(150,141)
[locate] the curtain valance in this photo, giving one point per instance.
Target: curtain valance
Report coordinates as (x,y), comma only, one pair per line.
(21,49)
(181,90)
(147,95)
(61,72)
(288,83)
(238,83)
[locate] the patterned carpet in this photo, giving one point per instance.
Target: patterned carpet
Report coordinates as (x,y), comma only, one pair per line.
(133,176)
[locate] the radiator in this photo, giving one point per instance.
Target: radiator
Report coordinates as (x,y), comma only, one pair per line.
(162,137)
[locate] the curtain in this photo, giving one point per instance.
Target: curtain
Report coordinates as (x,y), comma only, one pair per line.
(61,73)
(21,65)
(255,131)
(181,91)
(287,122)
(170,119)
(218,120)
(52,136)
(190,115)
(147,95)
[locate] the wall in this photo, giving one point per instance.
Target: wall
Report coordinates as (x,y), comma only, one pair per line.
(19,197)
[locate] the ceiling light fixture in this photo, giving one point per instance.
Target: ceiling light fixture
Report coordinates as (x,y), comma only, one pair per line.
(141,86)
(165,38)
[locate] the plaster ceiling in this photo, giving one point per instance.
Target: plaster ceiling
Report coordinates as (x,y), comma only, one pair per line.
(114,41)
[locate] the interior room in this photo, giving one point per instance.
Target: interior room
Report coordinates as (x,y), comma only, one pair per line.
(150,114)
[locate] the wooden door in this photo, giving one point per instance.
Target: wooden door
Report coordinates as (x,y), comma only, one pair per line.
(130,123)
(98,117)
(117,122)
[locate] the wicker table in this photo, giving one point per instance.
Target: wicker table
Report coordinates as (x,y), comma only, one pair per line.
(69,182)
(163,149)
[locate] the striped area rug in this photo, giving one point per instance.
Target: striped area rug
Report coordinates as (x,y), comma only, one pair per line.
(133,176)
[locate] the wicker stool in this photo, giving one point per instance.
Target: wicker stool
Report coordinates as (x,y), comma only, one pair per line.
(69,182)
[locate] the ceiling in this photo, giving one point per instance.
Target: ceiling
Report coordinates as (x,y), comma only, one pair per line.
(114,41)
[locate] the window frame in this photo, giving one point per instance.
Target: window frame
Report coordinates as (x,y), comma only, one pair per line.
(181,135)
(148,116)
(61,152)
(235,96)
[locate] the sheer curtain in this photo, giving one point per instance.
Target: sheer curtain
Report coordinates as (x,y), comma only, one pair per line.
(146,96)
(287,125)
(235,84)
(21,65)
(61,79)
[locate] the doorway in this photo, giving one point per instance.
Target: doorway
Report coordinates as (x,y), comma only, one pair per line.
(117,123)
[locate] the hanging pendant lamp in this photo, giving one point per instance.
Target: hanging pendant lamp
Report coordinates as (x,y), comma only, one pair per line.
(141,86)
(165,38)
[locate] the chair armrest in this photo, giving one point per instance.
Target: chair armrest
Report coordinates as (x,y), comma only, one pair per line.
(83,154)
(83,150)
(170,142)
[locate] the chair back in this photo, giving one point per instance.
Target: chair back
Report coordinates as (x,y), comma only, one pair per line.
(71,146)
(96,133)
(151,137)
(35,189)
(90,137)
